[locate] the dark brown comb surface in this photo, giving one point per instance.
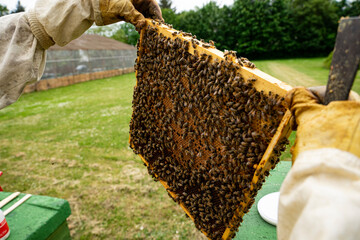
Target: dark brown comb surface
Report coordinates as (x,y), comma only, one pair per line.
(203,128)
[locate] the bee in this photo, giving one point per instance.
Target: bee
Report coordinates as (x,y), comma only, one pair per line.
(206,45)
(200,109)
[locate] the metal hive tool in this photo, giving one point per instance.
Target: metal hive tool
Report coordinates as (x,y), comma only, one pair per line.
(208,126)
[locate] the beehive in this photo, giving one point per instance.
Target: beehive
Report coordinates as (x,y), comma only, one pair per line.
(206,126)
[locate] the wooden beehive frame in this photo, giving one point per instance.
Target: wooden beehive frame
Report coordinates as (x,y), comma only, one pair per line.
(263,82)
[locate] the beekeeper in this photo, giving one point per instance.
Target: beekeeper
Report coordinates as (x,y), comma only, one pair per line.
(24,37)
(320,196)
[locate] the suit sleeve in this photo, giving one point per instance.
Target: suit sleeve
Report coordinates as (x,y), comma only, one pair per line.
(320,197)
(22,58)
(26,36)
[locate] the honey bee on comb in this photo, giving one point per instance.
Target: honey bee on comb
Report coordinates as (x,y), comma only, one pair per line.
(208,129)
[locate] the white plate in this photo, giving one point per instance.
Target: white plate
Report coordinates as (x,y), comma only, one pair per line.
(268,207)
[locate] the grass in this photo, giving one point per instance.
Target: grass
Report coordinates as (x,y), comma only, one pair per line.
(72,143)
(301,72)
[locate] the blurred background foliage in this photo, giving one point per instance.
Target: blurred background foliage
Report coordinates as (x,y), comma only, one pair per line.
(261,29)
(122,31)
(257,29)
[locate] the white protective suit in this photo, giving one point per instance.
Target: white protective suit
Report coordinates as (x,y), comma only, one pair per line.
(320,197)
(26,36)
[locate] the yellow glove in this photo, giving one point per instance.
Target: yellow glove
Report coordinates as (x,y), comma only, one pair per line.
(336,125)
(132,11)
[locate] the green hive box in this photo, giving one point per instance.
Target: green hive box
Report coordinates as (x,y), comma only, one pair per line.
(40,217)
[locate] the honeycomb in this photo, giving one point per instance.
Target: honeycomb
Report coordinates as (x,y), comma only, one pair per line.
(207,125)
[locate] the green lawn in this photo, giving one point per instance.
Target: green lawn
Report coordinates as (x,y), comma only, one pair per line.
(72,143)
(300,72)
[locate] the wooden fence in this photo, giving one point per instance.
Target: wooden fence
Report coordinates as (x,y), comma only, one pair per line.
(46,84)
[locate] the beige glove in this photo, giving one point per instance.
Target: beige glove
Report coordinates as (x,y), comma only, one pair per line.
(132,11)
(336,125)
(61,21)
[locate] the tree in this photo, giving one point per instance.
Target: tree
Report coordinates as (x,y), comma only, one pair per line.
(315,26)
(166,4)
(348,8)
(3,10)
(123,32)
(354,9)
(170,16)
(207,22)
(126,33)
(19,8)
(280,42)
(250,26)
(342,7)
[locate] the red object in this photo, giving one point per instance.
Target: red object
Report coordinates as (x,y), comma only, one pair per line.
(4,228)
(0,186)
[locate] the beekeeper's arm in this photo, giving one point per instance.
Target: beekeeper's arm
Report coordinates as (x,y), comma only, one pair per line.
(25,36)
(320,197)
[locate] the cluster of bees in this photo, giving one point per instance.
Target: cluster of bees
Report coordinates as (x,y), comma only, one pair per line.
(201,128)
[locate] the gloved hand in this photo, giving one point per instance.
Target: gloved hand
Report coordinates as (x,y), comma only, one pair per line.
(26,36)
(132,11)
(61,21)
(336,125)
